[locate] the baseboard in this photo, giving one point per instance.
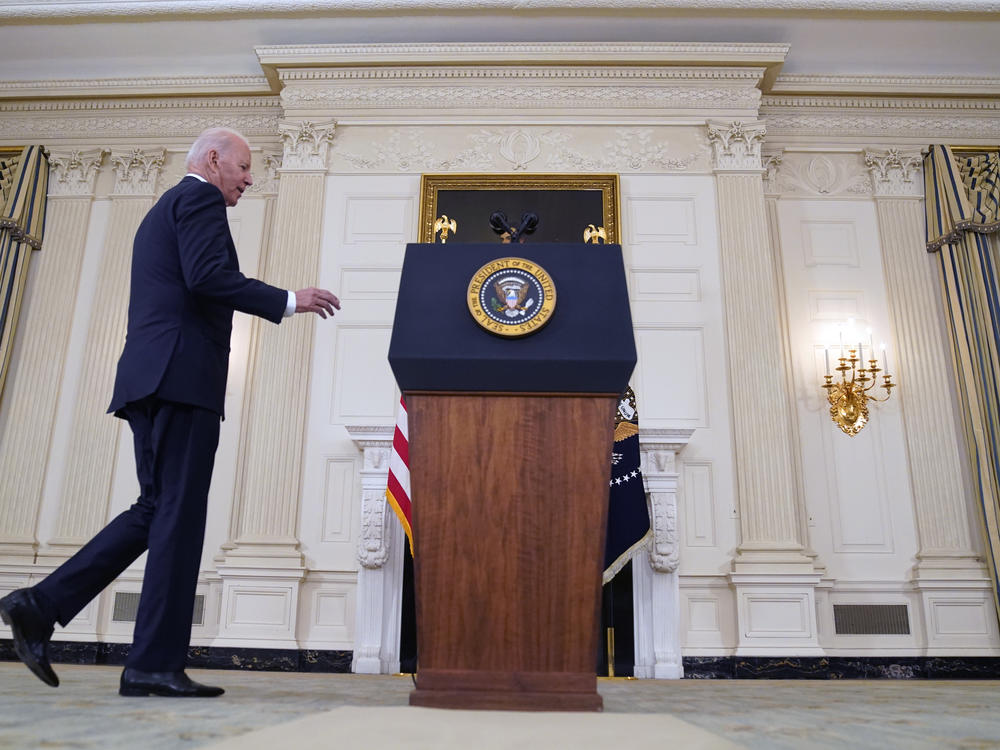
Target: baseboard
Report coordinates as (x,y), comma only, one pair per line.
(199,657)
(842,667)
(695,667)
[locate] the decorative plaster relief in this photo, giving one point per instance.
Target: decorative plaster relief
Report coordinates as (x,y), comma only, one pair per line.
(736,146)
(457,149)
(817,174)
(896,174)
(75,172)
(136,171)
(306,144)
(492,97)
(373,547)
(830,119)
(129,119)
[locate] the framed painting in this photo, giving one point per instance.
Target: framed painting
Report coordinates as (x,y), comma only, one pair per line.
(566,206)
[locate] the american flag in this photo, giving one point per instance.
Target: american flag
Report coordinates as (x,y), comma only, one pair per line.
(397,492)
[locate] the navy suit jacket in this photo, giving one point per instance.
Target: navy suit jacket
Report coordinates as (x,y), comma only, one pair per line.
(186,282)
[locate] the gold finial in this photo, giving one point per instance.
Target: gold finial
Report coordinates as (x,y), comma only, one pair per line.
(591,234)
(443,225)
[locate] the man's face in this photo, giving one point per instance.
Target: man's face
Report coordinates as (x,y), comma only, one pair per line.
(229,170)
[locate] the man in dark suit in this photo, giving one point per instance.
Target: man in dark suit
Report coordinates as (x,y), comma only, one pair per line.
(170,387)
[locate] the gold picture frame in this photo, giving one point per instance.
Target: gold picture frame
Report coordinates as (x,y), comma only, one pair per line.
(565,204)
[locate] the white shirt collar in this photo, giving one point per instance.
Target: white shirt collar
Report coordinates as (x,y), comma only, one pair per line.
(197,176)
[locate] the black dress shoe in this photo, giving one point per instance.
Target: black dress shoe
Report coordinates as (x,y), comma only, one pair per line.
(31,630)
(171,684)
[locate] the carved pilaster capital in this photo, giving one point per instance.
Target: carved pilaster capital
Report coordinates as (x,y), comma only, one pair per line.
(75,172)
(736,145)
(771,163)
(136,171)
(306,144)
(895,174)
(266,180)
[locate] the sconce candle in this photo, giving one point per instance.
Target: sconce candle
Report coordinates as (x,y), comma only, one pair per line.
(826,355)
(849,396)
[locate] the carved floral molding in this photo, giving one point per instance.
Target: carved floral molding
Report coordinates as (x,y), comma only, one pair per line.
(480,149)
(896,172)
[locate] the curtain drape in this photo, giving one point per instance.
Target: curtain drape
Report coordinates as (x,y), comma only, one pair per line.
(963,202)
(23,187)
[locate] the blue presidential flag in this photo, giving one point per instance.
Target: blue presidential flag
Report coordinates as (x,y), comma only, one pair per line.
(628,514)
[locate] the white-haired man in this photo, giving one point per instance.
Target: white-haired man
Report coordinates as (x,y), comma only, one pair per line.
(170,387)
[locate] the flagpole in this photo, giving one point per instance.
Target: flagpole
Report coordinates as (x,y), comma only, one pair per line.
(609,616)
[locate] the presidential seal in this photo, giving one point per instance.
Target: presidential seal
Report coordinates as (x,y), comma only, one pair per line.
(511,297)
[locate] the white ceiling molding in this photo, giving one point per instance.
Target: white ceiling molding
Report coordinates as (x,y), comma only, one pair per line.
(887,85)
(66,122)
(77,9)
(147,86)
(594,59)
(873,121)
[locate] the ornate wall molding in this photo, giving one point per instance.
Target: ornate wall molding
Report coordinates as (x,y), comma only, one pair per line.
(736,145)
(74,172)
(896,85)
(659,469)
(497,98)
(126,86)
(868,120)
(136,171)
(266,174)
(306,144)
(896,174)
(483,149)
(499,52)
(128,119)
(824,174)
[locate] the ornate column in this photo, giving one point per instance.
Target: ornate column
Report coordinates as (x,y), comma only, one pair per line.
(380,553)
(655,580)
(93,437)
(948,574)
(774,578)
(262,565)
(28,410)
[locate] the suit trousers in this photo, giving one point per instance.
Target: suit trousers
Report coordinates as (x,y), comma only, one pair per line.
(175,448)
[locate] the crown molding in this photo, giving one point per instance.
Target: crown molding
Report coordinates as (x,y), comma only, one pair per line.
(146,86)
(61,121)
(545,59)
(886,85)
(872,121)
(86,9)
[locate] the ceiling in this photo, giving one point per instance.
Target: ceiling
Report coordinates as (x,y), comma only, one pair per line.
(80,40)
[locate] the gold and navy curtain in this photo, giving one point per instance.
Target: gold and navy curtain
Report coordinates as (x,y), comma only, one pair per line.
(963,203)
(24,181)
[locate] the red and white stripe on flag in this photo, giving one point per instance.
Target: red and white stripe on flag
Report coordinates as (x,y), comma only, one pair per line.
(398,490)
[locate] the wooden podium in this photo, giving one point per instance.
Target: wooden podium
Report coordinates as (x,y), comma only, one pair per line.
(510,458)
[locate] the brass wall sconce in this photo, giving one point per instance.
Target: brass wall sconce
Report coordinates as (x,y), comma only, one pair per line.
(849,396)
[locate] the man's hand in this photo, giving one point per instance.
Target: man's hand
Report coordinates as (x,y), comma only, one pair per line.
(319,301)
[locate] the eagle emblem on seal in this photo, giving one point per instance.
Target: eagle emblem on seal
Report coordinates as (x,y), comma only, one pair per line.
(514,295)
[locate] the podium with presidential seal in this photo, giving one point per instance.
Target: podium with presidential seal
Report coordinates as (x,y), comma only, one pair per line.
(511,359)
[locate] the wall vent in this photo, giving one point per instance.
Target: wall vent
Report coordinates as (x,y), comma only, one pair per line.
(127,605)
(871,619)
